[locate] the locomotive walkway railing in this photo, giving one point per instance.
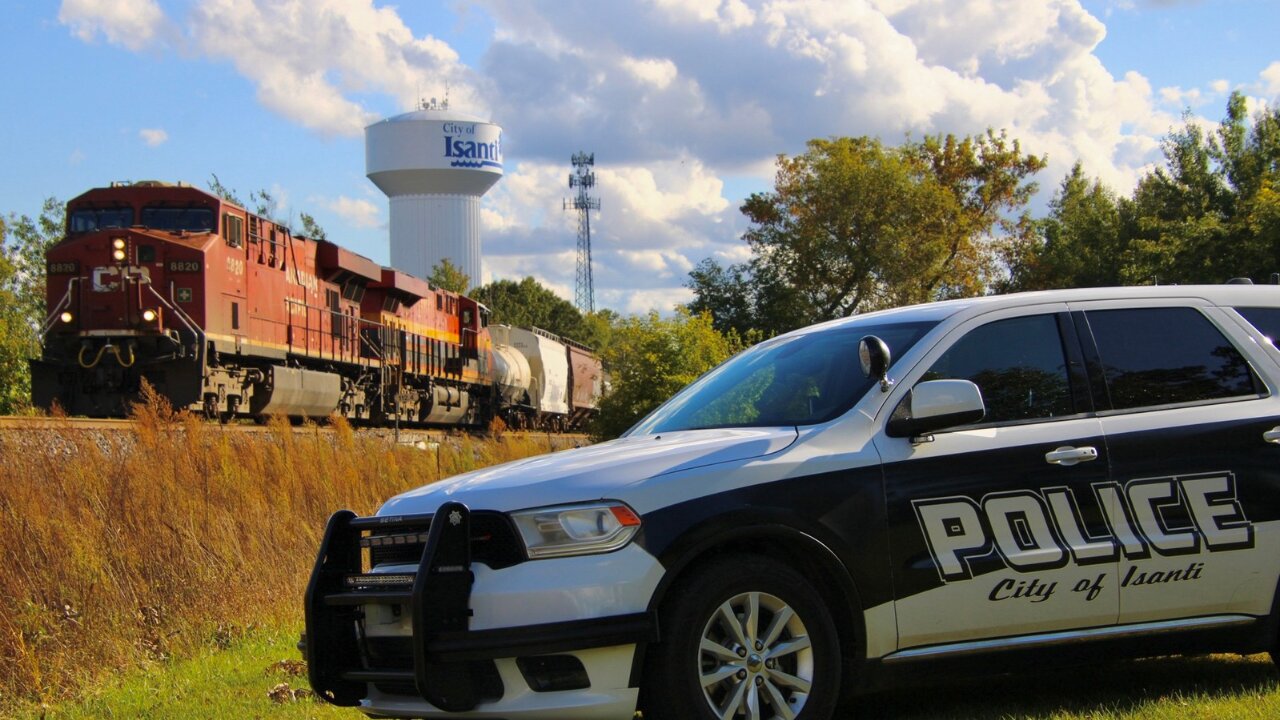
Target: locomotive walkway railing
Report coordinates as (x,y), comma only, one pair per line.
(310,331)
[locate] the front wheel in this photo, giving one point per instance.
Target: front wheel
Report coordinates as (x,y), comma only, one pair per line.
(749,638)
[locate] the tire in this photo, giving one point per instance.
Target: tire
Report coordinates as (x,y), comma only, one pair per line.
(784,664)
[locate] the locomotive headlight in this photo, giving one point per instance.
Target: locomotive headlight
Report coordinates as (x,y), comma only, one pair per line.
(117,243)
(149,315)
(118,254)
(576,529)
(66,317)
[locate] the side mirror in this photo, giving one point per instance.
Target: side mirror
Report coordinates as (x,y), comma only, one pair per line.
(936,405)
(874,356)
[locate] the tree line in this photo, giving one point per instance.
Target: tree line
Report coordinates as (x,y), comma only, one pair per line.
(854,225)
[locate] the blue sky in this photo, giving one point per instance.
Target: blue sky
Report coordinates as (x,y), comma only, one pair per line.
(684,102)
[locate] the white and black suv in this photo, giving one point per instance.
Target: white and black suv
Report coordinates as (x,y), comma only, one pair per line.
(958,485)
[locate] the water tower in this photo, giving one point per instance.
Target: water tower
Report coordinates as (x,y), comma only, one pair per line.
(434,164)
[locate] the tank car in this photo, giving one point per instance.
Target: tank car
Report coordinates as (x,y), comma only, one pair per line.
(564,380)
(229,313)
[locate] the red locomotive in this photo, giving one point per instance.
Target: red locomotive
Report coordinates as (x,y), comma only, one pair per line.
(231,314)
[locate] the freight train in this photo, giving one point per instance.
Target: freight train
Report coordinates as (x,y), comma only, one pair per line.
(230,314)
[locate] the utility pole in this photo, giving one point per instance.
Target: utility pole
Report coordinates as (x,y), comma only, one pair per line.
(583,179)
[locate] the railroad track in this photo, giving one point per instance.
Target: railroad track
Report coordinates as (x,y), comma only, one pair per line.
(556,441)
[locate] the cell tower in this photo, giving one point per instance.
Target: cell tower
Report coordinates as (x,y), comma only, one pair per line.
(584,179)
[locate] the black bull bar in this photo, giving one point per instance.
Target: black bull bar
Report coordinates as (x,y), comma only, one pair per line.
(439,607)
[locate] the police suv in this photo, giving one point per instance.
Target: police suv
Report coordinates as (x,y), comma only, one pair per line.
(973,483)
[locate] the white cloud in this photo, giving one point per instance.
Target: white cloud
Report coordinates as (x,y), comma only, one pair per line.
(358,212)
(658,73)
(307,59)
(134,24)
(1271,79)
(153,137)
(676,96)
(809,68)
(642,301)
(726,15)
(671,108)
(279,196)
(1182,98)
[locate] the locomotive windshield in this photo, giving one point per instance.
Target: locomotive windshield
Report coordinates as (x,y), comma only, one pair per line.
(795,380)
(90,219)
(171,218)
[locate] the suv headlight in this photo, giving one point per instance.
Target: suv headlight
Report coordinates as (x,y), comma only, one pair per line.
(576,529)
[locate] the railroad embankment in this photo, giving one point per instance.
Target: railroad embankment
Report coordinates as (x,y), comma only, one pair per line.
(149,542)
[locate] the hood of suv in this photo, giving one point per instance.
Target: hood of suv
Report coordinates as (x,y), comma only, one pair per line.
(593,472)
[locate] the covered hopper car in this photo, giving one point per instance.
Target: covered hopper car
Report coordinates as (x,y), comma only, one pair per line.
(562,380)
(231,314)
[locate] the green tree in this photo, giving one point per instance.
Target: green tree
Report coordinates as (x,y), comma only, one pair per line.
(23,243)
(528,303)
(261,202)
(445,274)
(265,205)
(311,228)
(1250,159)
(217,188)
(987,184)
(853,226)
(1208,214)
(728,295)
(650,359)
(1183,213)
(15,378)
(597,329)
(1082,243)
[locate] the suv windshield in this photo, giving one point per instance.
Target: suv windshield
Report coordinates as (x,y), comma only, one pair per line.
(792,380)
(170,218)
(89,220)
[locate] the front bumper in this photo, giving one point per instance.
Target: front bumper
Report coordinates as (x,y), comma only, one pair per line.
(412,650)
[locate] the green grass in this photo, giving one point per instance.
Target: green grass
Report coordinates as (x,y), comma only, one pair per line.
(234,684)
(229,684)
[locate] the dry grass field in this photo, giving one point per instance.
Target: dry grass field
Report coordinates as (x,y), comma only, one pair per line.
(121,549)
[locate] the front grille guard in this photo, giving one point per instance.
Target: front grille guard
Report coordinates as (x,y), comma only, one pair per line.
(439,602)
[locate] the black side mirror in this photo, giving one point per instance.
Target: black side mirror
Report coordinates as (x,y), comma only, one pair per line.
(874,356)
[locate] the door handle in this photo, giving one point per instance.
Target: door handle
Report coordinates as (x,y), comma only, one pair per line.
(1272,435)
(1069,456)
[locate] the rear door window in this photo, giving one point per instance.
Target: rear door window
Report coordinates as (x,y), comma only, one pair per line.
(1167,356)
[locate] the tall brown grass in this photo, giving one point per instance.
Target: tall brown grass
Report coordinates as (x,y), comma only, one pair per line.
(127,548)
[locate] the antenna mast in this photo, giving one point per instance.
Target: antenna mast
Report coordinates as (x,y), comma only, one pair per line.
(583,178)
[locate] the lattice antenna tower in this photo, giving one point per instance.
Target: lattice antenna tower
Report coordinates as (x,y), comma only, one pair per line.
(583,178)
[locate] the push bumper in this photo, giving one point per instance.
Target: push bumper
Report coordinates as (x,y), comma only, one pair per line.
(443,661)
